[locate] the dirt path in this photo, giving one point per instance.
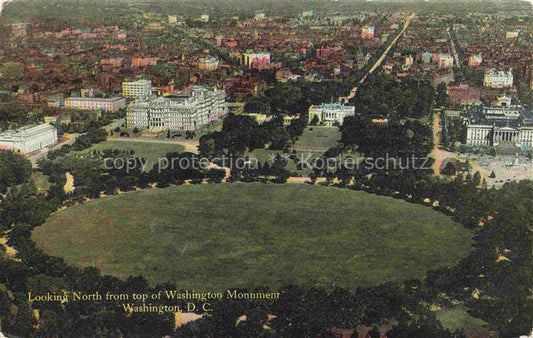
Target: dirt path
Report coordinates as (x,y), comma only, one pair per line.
(438,154)
(189,145)
(10,251)
(69,185)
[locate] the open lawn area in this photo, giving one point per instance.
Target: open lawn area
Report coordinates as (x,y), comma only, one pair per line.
(212,237)
(456,317)
(41,181)
(318,138)
(313,143)
(265,155)
(152,151)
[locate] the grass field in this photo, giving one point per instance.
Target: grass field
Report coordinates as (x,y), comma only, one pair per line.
(149,150)
(319,138)
(457,318)
(211,237)
(41,181)
(312,144)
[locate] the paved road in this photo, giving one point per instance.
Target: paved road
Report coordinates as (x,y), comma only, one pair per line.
(115,124)
(68,139)
(454,50)
(379,61)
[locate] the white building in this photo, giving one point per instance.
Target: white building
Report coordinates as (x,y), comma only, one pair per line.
(260,16)
(95,103)
(498,78)
(478,135)
(330,113)
(137,89)
(488,135)
(186,112)
(204,17)
(445,60)
(29,139)
(504,123)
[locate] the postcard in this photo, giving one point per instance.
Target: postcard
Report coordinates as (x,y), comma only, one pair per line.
(280,168)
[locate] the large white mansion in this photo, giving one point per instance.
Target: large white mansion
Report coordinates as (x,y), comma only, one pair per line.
(29,139)
(184,112)
(329,113)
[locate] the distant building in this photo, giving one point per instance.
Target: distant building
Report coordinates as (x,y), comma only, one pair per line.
(256,60)
(498,78)
(112,63)
(464,94)
(330,113)
(510,35)
(326,52)
(260,16)
(368,31)
(107,104)
(475,60)
(204,17)
(29,139)
(183,112)
(426,57)
(445,60)
(208,64)
(172,19)
(136,89)
(143,62)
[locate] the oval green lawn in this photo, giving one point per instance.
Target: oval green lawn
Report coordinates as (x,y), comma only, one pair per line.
(212,237)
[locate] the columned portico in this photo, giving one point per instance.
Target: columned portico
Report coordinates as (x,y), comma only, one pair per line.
(505,134)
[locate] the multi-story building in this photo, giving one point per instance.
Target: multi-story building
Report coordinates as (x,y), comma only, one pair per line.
(107,104)
(208,64)
(464,94)
(445,60)
(488,135)
(256,60)
(136,89)
(498,78)
(330,113)
(143,62)
(182,112)
(475,60)
(501,124)
(29,139)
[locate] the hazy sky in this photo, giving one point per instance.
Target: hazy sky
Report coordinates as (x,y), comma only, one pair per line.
(3,2)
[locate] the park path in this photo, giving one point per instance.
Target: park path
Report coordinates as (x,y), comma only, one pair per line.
(11,252)
(68,138)
(189,145)
(69,184)
(438,154)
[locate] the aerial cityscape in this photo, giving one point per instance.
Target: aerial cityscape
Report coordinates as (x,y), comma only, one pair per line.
(276,168)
